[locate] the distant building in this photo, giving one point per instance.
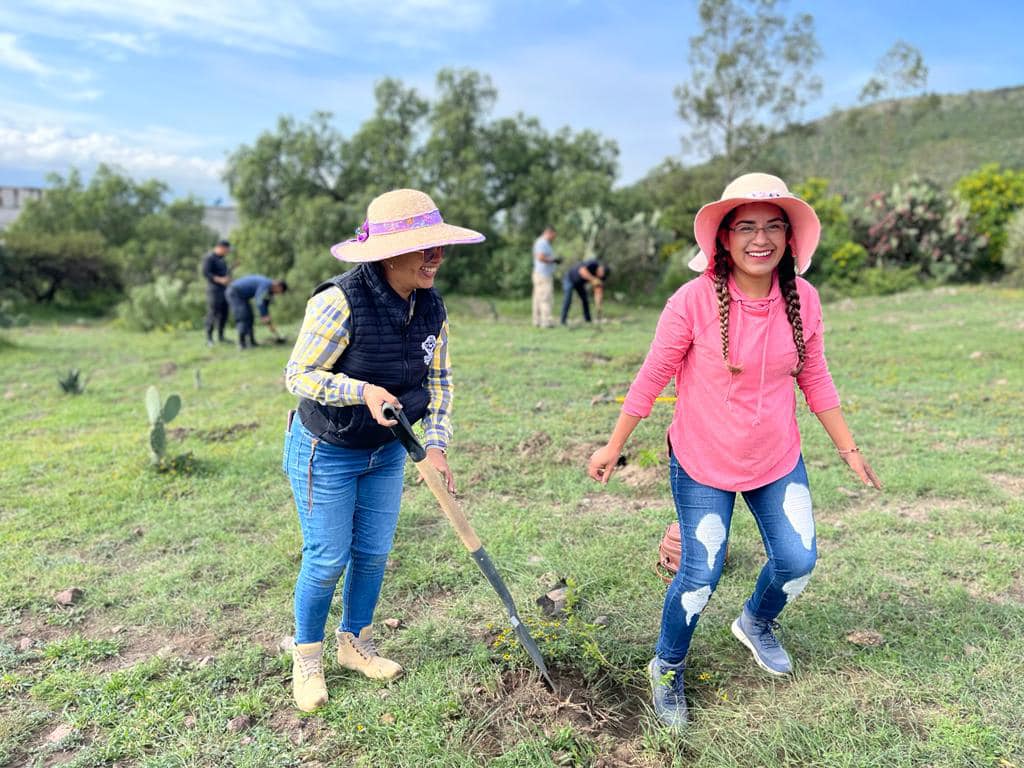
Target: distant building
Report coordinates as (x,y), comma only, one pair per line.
(220,218)
(12,200)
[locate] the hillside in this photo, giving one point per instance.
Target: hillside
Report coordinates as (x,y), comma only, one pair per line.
(865,149)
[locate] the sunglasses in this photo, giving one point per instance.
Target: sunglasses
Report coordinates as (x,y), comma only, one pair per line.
(430,255)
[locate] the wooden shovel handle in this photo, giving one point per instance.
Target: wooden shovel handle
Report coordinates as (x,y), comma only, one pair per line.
(449,505)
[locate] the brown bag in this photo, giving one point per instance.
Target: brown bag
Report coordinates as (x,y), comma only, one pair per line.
(670,551)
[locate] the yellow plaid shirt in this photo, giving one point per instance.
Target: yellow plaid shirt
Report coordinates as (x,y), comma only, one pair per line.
(325,335)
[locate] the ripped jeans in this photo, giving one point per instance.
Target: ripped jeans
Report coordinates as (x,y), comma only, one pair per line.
(347,501)
(782,510)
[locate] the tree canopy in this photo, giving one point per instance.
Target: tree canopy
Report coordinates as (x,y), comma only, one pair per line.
(748,66)
(304,186)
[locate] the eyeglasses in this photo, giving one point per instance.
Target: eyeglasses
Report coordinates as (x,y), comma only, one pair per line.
(772,229)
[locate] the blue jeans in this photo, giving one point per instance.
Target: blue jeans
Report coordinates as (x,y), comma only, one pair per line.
(782,510)
(348,501)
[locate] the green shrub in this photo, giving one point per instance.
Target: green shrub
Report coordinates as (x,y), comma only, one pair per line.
(835,229)
(1013,252)
(918,226)
(165,303)
(992,196)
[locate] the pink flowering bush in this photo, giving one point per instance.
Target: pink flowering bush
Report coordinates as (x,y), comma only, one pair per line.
(918,225)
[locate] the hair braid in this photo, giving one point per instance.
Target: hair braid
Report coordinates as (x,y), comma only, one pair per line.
(787,283)
(722,270)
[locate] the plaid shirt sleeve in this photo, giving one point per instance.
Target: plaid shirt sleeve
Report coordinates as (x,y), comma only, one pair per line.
(437,423)
(324,336)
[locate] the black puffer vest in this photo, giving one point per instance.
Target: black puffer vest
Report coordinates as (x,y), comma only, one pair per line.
(386,347)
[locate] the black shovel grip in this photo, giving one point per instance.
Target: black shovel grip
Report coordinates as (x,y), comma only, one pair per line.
(403,431)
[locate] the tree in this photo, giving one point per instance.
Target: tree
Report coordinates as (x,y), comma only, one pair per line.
(123,232)
(382,154)
(749,64)
(303,186)
(900,72)
(46,267)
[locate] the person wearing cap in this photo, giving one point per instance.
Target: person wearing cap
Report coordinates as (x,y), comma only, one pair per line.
(218,274)
(376,334)
(734,340)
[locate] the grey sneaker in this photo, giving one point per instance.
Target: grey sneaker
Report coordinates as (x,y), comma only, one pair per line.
(667,693)
(759,636)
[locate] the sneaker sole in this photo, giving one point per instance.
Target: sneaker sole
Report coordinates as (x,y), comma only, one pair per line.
(742,637)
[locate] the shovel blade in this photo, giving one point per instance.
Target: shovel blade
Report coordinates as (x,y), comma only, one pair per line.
(522,633)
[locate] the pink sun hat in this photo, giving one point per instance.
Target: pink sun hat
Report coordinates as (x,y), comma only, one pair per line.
(804,227)
(401,221)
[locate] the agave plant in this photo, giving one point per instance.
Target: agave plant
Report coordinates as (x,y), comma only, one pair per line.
(72,382)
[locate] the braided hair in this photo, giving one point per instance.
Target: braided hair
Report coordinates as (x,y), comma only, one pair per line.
(786,272)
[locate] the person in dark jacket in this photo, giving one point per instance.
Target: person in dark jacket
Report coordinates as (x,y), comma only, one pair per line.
(261,290)
(376,334)
(576,279)
(218,274)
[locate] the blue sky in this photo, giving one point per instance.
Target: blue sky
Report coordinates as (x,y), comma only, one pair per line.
(166,89)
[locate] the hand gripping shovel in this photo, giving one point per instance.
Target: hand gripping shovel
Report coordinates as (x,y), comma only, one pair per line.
(450,507)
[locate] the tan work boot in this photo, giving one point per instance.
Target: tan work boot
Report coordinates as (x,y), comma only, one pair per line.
(308,685)
(360,654)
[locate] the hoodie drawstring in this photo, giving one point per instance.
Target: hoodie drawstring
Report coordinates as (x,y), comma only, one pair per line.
(764,365)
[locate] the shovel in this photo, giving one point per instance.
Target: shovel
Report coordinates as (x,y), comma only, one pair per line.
(450,507)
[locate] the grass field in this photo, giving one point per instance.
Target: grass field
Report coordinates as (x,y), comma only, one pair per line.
(908,643)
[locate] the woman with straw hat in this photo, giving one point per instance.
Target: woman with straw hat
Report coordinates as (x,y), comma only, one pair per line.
(376,334)
(734,340)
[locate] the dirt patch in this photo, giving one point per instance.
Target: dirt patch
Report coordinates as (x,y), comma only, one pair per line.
(534,445)
(217,435)
(578,453)
(594,358)
(636,476)
(601,709)
(297,729)
(1009,484)
(607,504)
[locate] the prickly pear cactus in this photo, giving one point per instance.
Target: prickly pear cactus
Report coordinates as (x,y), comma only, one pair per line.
(160,414)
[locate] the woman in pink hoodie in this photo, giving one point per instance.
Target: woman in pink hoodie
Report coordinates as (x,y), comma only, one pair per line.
(734,340)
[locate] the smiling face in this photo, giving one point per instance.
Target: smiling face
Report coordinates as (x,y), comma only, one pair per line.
(759,245)
(409,271)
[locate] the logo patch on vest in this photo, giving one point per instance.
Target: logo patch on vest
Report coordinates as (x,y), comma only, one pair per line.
(429,345)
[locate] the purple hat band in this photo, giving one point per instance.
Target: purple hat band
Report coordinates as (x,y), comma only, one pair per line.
(367,228)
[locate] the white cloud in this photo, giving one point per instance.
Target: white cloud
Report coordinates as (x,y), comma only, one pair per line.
(127,40)
(50,147)
(53,79)
(12,56)
(265,25)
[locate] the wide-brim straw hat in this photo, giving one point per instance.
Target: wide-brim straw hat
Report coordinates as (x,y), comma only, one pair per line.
(804,227)
(401,221)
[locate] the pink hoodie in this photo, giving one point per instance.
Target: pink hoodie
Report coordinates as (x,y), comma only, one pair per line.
(731,431)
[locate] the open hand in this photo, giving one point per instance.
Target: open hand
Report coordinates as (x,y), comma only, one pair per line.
(857,462)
